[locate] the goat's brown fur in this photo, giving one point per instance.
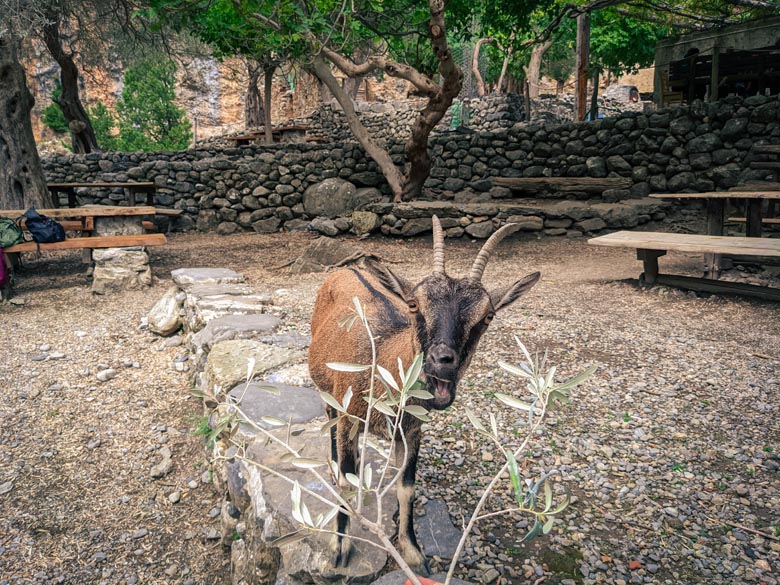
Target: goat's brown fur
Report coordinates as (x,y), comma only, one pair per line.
(441,317)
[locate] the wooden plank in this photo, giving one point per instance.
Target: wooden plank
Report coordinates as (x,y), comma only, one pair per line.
(768,194)
(757,186)
(162,211)
(85,211)
(99,184)
(96,242)
(67,225)
(766,148)
(564,183)
(766,220)
(716,212)
(719,286)
(690,243)
(765,166)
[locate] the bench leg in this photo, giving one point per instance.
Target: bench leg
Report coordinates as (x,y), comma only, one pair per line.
(754,217)
(650,261)
(716,214)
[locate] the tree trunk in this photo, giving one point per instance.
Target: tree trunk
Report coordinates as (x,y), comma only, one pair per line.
(253,105)
(594,99)
(504,67)
(532,70)
(475,66)
(559,86)
(437,106)
(377,153)
(268,72)
(21,177)
(81,131)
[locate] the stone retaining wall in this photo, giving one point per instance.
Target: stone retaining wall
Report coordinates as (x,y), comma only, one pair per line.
(699,148)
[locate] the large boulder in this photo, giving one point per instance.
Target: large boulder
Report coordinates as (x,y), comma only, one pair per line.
(324,253)
(330,198)
(165,317)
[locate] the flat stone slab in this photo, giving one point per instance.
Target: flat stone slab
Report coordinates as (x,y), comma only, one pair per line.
(292,403)
(289,340)
(308,560)
(230,327)
(211,301)
(435,531)
(399,578)
(227,363)
(186,277)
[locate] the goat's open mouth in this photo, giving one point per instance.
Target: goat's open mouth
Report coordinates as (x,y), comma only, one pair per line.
(442,391)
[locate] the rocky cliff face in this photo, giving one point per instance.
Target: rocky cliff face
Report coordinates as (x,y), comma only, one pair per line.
(211,92)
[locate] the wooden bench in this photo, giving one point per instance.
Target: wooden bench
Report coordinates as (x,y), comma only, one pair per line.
(765,220)
(94,242)
(652,245)
(590,184)
(133,188)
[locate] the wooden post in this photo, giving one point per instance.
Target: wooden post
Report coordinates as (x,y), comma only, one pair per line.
(692,77)
(754,217)
(583,51)
(650,260)
(714,74)
(716,209)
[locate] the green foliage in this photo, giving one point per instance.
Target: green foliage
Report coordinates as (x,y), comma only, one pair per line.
(52,114)
(620,44)
(148,117)
(104,124)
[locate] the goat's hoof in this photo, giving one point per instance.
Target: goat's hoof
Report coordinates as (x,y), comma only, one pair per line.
(415,558)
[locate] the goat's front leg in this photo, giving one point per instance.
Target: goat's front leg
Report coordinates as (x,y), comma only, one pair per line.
(407,541)
(344,450)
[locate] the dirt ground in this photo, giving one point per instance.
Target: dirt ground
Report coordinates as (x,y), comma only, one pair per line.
(78,505)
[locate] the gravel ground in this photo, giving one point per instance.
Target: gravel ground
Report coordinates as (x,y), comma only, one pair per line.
(672,449)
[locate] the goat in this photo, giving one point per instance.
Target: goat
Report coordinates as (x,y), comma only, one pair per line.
(441,316)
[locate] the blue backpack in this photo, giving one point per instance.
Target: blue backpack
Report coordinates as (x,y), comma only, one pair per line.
(44,230)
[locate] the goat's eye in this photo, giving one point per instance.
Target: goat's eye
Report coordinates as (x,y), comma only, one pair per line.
(412,306)
(489,318)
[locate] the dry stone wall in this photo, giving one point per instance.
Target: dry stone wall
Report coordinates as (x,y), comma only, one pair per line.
(266,188)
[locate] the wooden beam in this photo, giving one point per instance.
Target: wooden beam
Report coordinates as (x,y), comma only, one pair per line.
(714,72)
(719,286)
(595,184)
(96,242)
(768,194)
(581,67)
(690,243)
(85,211)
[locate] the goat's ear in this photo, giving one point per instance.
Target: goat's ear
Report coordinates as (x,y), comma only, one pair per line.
(506,296)
(388,278)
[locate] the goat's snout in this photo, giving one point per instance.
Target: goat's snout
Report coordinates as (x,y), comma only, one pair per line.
(442,356)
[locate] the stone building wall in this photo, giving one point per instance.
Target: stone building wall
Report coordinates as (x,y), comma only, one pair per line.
(702,147)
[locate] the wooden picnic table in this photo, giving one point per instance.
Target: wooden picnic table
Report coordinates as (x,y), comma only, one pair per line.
(716,215)
(716,207)
(83,219)
(132,188)
(292,133)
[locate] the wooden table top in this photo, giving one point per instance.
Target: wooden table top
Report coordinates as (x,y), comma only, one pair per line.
(85,211)
(720,195)
(690,243)
(100,185)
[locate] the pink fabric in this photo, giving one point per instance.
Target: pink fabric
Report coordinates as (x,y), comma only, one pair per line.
(5,275)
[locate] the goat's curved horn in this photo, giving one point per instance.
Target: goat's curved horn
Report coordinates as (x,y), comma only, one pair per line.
(484,254)
(438,246)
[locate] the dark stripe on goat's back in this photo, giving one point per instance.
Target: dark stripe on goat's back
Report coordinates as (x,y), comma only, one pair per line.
(392,318)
